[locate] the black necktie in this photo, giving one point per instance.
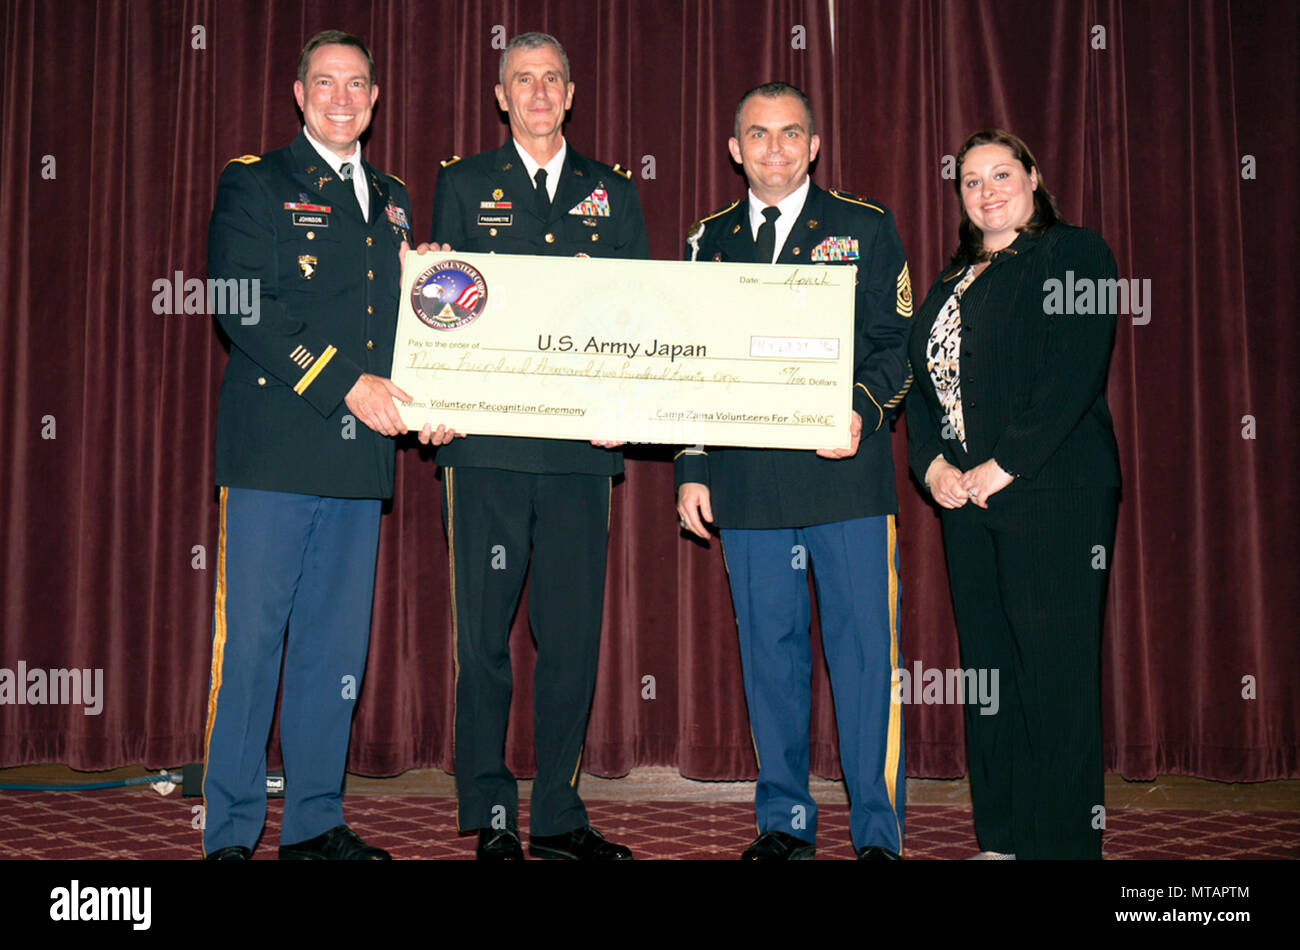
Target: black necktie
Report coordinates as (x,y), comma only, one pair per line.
(543,196)
(765,243)
(345,173)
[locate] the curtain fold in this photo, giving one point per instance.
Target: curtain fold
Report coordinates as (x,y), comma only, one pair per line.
(1171,132)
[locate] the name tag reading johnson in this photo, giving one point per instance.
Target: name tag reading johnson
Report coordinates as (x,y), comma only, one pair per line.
(631,351)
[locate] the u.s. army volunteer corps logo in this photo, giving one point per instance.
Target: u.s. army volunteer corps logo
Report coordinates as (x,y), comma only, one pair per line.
(449,295)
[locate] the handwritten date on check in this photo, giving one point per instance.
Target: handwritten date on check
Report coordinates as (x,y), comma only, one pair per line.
(630,351)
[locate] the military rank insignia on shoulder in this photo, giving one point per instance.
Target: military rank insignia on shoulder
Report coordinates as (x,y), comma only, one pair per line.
(623,171)
(717,214)
(245,159)
(855,199)
(696,231)
(396,179)
(449,161)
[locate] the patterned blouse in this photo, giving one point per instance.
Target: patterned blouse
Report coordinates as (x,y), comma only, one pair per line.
(943,356)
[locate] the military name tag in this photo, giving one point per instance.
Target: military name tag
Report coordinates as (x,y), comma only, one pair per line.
(304,220)
(496,219)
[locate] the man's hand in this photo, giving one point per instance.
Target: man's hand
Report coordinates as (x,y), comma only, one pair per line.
(693,508)
(442,436)
(985,480)
(422,249)
(944,481)
(855,435)
(371,400)
(604,444)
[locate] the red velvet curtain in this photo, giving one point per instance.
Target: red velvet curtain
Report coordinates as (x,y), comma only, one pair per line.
(1170,130)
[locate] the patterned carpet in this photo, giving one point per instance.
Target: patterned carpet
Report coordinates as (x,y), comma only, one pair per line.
(138,823)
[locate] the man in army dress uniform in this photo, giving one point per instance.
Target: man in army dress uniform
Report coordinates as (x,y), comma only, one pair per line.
(301,482)
(506,500)
(782,511)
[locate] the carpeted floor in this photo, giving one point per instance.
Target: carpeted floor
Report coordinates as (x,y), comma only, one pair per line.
(136,823)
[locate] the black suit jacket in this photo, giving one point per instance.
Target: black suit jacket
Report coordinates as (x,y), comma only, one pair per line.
(1033,383)
(774,488)
(329,284)
(460,219)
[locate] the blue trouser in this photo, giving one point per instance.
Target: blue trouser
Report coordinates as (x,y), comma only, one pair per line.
(855,567)
(309,563)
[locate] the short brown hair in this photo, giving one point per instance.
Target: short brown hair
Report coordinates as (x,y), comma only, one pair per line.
(773,90)
(328,38)
(970,239)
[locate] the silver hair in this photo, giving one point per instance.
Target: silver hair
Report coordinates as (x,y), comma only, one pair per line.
(531,41)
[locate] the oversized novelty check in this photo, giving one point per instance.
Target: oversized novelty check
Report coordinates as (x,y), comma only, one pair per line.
(627,350)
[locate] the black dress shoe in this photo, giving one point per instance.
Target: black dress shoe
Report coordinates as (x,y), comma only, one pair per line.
(340,843)
(233,852)
(875,852)
(778,846)
(581,844)
(502,845)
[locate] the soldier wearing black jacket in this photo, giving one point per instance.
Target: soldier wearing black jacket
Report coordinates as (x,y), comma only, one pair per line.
(508,500)
(782,511)
(304,456)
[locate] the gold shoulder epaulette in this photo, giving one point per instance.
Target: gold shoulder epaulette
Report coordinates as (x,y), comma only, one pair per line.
(719,212)
(245,159)
(449,161)
(855,199)
(398,180)
(623,171)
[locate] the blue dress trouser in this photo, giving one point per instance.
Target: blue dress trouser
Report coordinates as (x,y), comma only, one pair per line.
(306,563)
(855,569)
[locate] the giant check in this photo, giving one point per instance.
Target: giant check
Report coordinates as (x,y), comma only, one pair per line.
(627,350)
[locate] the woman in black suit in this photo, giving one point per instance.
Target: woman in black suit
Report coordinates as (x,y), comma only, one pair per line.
(1009,431)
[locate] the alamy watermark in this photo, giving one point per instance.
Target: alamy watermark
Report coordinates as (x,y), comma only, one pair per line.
(1084,295)
(214,296)
(934,686)
(38,687)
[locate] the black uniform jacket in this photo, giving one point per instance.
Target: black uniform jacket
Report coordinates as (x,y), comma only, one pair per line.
(773,488)
(1033,383)
(328,289)
(486,203)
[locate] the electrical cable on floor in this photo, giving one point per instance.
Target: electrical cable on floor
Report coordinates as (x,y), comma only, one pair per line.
(172,778)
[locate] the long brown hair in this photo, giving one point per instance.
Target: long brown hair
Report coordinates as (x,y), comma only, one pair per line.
(970,239)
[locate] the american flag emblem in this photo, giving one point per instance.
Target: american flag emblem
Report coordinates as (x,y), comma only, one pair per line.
(449,295)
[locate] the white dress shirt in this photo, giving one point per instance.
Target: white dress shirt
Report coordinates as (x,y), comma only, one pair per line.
(359,183)
(552,167)
(789,206)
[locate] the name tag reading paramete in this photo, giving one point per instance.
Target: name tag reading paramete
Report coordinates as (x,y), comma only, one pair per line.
(756,355)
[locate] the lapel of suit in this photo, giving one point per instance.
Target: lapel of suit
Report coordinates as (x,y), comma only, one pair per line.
(736,240)
(378,186)
(808,230)
(576,183)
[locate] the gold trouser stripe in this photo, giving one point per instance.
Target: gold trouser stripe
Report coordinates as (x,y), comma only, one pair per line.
(893,744)
(573,779)
(455,629)
(310,376)
(873,400)
(218,641)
